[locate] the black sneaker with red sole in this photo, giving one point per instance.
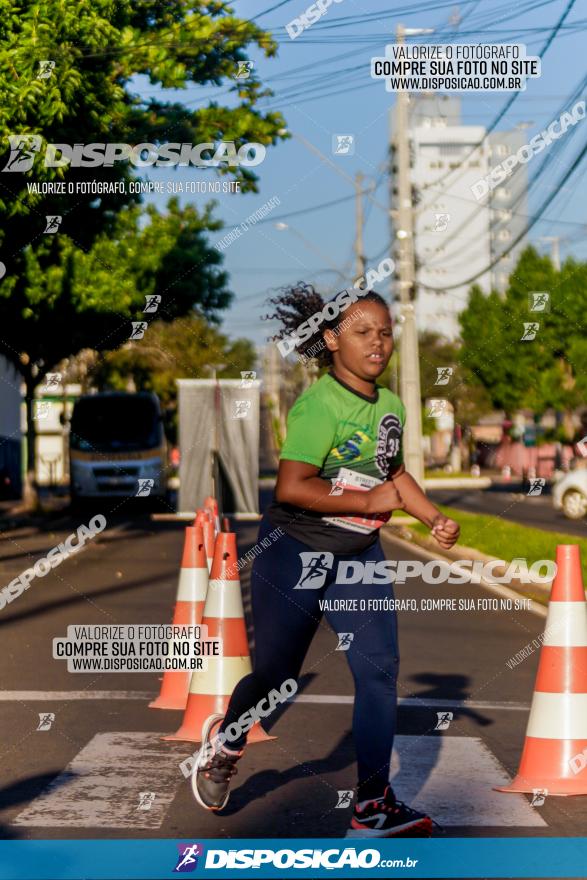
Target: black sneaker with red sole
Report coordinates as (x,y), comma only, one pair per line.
(388,817)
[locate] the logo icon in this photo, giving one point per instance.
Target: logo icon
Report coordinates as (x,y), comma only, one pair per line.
(578,762)
(138,329)
(530,331)
(343,144)
(437,407)
(344,641)
(188,857)
(338,486)
(22,151)
(344,799)
(241,409)
(582,447)
(46,68)
(247,378)
(444,719)
(53,223)
(539,301)
(441,222)
(146,799)
(443,375)
(152,302)
(52,380)
(244,69)
(315,567)
(46,719)
(41,410)
(145,487)
(538,796)
(537,484)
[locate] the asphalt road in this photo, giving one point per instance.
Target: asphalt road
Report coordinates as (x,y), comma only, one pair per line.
(87,775)
(513,504)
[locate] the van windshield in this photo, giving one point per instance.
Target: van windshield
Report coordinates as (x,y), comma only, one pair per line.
(115,424)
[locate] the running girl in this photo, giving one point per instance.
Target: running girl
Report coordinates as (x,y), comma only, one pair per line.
(341,474)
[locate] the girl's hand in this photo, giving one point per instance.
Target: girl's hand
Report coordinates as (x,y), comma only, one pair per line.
(445,530)
(384,498)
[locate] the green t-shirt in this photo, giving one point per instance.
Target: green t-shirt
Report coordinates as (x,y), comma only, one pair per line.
(348,436)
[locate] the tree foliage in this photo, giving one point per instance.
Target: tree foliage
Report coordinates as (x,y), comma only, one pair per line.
(548,371)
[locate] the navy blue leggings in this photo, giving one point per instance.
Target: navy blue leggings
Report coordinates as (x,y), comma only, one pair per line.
(285,621)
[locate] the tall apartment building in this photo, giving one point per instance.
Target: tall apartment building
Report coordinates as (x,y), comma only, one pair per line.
(508,207)
(456,236)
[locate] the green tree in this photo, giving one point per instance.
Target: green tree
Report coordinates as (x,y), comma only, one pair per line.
(181,349)
(547,371)
(467,397)
(81,287)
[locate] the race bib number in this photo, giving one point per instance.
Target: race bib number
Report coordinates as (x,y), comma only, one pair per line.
(345,480)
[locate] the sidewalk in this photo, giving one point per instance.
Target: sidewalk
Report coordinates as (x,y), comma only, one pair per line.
(14,515)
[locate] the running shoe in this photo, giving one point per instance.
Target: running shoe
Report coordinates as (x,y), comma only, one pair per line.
(388,817)
(214,768)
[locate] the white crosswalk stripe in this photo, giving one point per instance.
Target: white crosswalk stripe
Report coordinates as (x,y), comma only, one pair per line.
(451,778)
(108,780)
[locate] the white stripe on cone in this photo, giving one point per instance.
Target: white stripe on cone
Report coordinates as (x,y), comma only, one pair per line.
(566,625)
(221,676)
(558,716)
(192,585)
(223,599)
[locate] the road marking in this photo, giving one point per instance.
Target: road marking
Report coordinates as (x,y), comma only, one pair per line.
(452,778)
(56,696)
(501,590)
(342,699)
(101,787)
(417,702)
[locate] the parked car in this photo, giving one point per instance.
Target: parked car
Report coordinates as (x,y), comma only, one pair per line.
(569,494)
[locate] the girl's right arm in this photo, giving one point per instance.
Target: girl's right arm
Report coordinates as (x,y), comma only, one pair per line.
(298,483)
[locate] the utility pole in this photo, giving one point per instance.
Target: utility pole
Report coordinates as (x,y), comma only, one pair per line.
(404,233)
(360,256)
(554,249)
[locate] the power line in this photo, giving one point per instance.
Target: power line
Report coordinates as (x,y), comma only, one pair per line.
(513,97)
(271,9)
(524,232)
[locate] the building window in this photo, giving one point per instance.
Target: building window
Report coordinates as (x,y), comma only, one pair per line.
(449,149)
(503,192)
(504,235)
(500,150)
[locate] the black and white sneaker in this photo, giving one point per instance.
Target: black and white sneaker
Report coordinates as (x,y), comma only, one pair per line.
(388,817)
(214,768)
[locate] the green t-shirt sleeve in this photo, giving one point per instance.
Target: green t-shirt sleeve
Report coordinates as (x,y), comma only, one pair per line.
(311,429)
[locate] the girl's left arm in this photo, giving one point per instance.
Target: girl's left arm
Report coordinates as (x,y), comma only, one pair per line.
(445,530)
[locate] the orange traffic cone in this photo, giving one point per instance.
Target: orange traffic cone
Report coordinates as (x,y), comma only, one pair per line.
(210,689)
(555,751)
(202,516)
(189,608)
(211,504)
(209,538)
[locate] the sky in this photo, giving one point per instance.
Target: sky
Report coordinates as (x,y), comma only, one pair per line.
(322,86)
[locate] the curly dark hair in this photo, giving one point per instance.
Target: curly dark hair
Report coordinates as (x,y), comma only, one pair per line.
(294,305)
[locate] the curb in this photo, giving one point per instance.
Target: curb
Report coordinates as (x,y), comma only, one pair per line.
(428,546)
(457,482)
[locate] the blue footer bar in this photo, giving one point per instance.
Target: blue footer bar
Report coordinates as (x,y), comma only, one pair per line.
(269,858)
